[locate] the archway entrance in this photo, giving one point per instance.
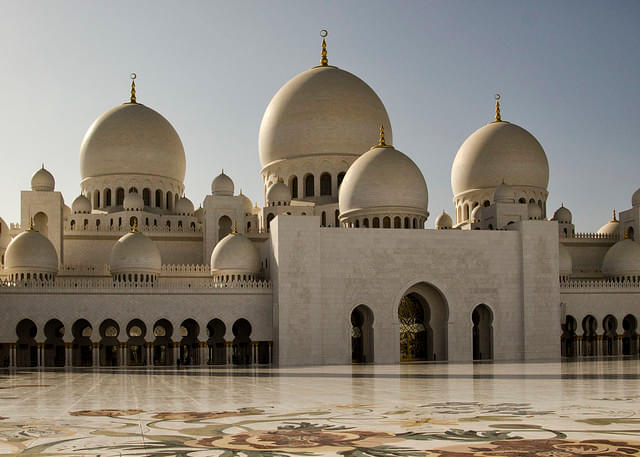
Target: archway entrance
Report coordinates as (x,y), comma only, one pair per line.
(81,353)
(26,347)
(162,345)
(242,342)
(136,344)
(610,337)
(423,316)
(109,353)
(629,337)
(589,336)
(54,345)
(362,335)
(568,339)
(224,227)
(482,319)
(189,345)
(216,344)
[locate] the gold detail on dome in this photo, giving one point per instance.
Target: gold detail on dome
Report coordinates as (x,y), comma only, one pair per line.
(324,61)
(280,180)
(498,117)
(381,142)
(613,218)
(133,77)
(134,226)
(235,228)
(31,228)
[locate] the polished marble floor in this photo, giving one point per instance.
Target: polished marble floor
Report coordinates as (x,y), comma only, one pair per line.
(448,410)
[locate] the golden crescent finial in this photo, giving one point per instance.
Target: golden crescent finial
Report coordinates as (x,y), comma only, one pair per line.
(498,117)
(235,228)
(613,218)
(381,141)
(30,229)
(133,77)
(134,226)
(324,61)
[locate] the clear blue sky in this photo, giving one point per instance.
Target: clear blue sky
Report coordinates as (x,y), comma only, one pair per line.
(568,71)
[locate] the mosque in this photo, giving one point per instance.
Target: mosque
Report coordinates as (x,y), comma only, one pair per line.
(341,265)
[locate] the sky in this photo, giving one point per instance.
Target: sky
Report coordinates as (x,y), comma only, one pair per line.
(568,72)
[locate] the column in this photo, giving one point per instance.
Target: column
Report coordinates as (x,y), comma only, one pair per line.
(123,351)
(619,345)
(68,359)
(12,355)
(95,354)
(599,348)
(203,353)
(176,352)
(254,352)
(229,347)
(148,348)
(40,355)
(270,352)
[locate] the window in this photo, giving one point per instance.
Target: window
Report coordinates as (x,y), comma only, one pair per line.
(293,186)
(309,184)
(325,184)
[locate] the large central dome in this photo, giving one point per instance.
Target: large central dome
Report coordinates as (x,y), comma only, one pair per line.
(132,139)
(321,111)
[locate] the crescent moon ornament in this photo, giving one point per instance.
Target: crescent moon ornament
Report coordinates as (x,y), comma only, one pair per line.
(323,33)
(497,96)
(133,76)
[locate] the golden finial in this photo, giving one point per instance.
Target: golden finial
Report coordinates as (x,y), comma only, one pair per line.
(280,180)
(134,226)
(613,218)
(324,61)
(381,142)
(498,118)
(31,229)
(235,228)
(133,77)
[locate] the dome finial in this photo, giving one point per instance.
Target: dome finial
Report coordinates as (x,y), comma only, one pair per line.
(381,141)
(31,229)
(134,226)
(133,77)
(235,228)
(498,118)
(324,61)
(613,218)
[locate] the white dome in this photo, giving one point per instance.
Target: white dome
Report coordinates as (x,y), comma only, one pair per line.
(534,211)
(5,237)
(564,260)
(504,194)
(279,192)
(635,198)
(132,139)
(562,215)
(222,185)
(443,221)
(235,253)
(31,252)
(133,202)
(610,228)
(135,253)
(499,152)
(43,181)
(184,207)
(247,205)
(383,177)
(324,110)
(622,260)
(81,205)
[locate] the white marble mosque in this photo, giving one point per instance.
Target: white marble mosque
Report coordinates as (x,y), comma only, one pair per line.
(341,264)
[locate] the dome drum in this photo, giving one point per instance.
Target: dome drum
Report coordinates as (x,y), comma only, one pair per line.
(468,200)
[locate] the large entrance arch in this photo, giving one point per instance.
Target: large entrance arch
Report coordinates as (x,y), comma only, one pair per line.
(54,348)
(482,319)
(423,315)
(568,346)
(362,335)
(81,352)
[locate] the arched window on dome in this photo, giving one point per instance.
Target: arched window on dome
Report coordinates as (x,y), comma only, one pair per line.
(466,212)
(323,221)
(270,217)
(146,196)
(107,197)
(293,186)
(340,178)
(158,198)
(309,184)
(96,199)
(175,200)
(325,184)
(375,223)
(365,222)
(415,223)
(119,196)
(407,223)
(522,200)
(169,200)
(397,222)
(357,223)
(386,222)
(337,218)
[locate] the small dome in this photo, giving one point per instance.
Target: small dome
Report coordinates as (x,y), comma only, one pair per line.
(5,237)
(184,207)
(498,152)
(443,221)
(81,205)
(31,252)
(247,205)
(635,199)
(132,139)
(278,192)
(475,217)
(324,110)
(622,260)
(534,211)
(610,228)
(222,185)
(383,178)
(504,194)
(564,260)
(235,254)
(133,202)
(135,253)
(43,181)
(562,215)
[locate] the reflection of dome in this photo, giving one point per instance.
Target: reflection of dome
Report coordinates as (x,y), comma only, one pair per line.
(235,254)
(324,110)
(133,202)
(499,151)
(222,185)
(81,205)
(5,238)
(184,207)
(534,211)
(610,228)
(381,179)
(43,181)
(562,215)
(504,194)
(635,198)
(135,253)
(132,138)
(278,193)
(443,221)
(622,260)
(31,253)
(564,260)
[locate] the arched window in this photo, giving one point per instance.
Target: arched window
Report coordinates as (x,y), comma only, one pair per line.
(96,199)
(466,212)
(309,184)
(415,223)
(224,227)
(397,222)
(325,184)
(293,186)
(158,198)
(107,197)
(337,218)
(248,226)
(386,222)
(323,222)
(376,222)
(365,222)
(407,223)
(146,197)
(340,178)
(119,196)
(169,200)
(486,203)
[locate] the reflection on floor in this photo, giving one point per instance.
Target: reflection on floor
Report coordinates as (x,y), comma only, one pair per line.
(455,410)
